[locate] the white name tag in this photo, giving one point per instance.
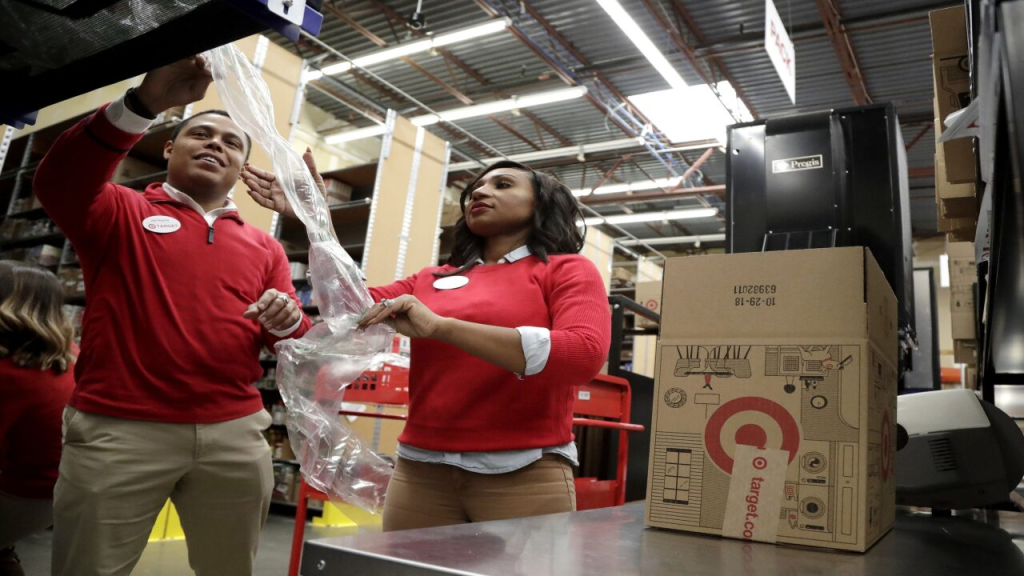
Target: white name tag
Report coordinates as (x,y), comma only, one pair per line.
(161,224)
(450,282)
(755,493)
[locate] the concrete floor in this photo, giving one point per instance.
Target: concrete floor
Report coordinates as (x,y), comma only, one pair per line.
(171,558)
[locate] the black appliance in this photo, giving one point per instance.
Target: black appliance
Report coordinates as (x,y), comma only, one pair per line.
(825,179)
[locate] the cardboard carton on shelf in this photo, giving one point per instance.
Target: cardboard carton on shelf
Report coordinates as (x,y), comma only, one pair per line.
(957,200)
(962,228)
(961,234)
(450,214)
(338,192)
(621,276)
(132,168)
(965,352)
(961,303)
(952,82)
(962,270)
(775,399)
(648,295)
(72,280)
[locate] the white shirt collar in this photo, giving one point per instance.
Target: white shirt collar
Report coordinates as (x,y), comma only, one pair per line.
(187,200)
(517,254)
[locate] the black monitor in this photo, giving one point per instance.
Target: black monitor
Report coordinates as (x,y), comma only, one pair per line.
(825,179)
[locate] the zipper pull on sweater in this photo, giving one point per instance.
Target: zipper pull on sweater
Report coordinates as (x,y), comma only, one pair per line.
(209,237)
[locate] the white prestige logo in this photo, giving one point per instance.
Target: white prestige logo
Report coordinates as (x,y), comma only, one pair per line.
(161,224)
(795,164)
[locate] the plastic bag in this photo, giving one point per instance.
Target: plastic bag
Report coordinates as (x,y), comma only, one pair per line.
(313,371)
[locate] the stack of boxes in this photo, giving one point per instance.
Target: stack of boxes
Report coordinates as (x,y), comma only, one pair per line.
(955,161)
(963,276)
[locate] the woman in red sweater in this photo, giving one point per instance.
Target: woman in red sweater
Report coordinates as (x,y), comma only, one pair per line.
(500,337)
(36,355)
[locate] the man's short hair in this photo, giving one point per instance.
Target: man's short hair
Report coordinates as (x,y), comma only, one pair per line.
(181,126)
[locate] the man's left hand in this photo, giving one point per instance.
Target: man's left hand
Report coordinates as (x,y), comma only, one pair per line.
(274,310)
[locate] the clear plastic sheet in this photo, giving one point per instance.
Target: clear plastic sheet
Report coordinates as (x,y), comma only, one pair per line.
(313,371)
(45,36)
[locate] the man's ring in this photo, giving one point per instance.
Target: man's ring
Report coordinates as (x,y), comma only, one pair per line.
(387,302)
(283,298)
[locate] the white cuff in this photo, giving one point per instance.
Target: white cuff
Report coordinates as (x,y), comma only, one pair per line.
(287,331)
(536,348)
(125,120)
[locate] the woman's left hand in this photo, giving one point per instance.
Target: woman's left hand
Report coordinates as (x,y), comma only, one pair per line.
(407,314)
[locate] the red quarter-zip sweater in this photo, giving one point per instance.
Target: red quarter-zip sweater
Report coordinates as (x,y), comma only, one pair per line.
(460,403)
(163,337)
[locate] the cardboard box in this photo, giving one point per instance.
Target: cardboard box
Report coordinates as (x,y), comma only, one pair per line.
(72,280)
(621,276)
(133,168)
(648,295)
(957,200)
(962,234)
(450,214)
(952,83)
(775,401)
(965,352)
(961,303)
(338,192)
(949,224)
(962,270)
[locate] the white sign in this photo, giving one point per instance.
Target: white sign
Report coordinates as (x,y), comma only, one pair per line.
(755,493)
(780,48)
(161,224)
(796,164)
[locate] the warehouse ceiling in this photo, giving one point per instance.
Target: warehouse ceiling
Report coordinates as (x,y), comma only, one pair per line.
(847,52)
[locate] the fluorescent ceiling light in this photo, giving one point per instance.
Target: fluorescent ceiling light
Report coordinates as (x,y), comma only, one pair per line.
(565,152)
(693,113)
(630,186)
(687,214)
(396,52)
(516,102)
(675,240)
(642,42)
(944,270)
(512,103)
(351,135)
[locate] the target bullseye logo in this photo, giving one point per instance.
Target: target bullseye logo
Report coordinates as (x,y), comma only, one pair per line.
(760,463)
(886,448)
(749,433)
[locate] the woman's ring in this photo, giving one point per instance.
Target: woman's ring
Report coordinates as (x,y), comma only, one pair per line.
(387,302)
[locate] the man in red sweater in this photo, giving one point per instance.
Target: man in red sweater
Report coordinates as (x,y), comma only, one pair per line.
(182,296)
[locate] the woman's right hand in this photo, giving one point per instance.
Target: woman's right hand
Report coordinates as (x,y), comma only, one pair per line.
(266,190)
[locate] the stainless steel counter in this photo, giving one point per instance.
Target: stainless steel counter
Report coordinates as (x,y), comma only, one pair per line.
(614,541)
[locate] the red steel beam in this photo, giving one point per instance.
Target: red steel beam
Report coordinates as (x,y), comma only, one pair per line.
(922,172)
(688,51)
(924,130)
(831,16)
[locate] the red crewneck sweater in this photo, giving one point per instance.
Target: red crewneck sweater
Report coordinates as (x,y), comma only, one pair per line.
(31,404)
(163,337)
(460,403)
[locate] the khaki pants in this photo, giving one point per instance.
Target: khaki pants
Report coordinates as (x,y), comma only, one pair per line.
(116,474)
(21,517)
(423,495)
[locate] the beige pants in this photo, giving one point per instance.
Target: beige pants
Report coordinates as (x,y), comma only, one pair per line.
(115,476)
(21,517)
(423,495)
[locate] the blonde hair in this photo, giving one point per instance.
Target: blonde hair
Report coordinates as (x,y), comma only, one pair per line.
(34,331)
